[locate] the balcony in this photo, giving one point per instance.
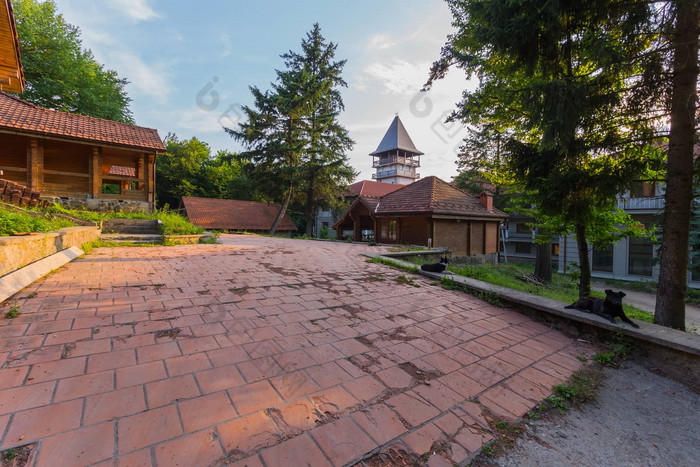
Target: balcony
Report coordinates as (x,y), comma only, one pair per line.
(655,203)
(396,173)
(390,160)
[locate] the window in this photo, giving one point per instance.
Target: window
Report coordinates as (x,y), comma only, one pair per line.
(523,228)
(525,248)
(643,189)
(641,255)
(603,259)
(387,230)
(555,249)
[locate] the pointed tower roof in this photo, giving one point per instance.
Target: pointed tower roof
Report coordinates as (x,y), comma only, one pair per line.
(396,137)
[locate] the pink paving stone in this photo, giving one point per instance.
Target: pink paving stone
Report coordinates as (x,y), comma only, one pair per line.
(4,421)
(227,356)
(25,397)
(412,408)
(248,434)
(508,400)
(333,401)
(343,441)
(148,428)
(295,360)
(170,390)
(132,342)
(294,385)
(111,360)
(442,362)
(218,379)
(449,423)
(439,395)
(395,377)
(12,377)
(158,352)
(202,448)
(140,458)
(81,386)
(295,417)
(67,336)
(78,448)
(324,353)
(38,423)
(380,422)
(253,397)
(527,389)
(422,439)
(139,374)
(114,404)
(365,389)
(328,374)
(472,438)
(536,376)
(200,344)
(206,411)
(262,349)
(21,343)
(255,370)
(460,383)
(91,347)
(187,364)
(300,450)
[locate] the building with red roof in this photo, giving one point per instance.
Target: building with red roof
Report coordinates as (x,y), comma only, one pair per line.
(234,215)
(78,160)
(429,212)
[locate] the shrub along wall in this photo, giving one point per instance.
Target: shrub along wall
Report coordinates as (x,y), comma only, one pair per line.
(17,252)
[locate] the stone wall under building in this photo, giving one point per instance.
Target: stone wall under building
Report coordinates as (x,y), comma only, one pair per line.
(103,205)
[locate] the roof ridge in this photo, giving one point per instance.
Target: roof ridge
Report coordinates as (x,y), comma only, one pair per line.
(72,114)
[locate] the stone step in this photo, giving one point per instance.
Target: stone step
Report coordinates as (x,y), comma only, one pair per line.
(131,226)
(131,238)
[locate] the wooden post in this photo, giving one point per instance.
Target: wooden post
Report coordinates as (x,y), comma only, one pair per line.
(96,172)
(150,176)
(141,164)
(35,164)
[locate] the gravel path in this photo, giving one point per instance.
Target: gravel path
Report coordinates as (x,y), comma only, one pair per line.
(638,419)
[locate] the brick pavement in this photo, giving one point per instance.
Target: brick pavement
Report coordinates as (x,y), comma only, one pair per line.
(264,351)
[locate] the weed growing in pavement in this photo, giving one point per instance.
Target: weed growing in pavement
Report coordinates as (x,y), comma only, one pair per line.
(406,280)
(31,295)
(13,312)
(620,349)
(9,454)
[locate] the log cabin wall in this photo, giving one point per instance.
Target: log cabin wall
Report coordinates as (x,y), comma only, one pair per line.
(78,171)
(414,231)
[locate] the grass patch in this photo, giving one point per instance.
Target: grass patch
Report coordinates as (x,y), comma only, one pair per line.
(619,350)
(173,223)
(15,222)
(406,280)
(13,312)
(493,298)
(378,260)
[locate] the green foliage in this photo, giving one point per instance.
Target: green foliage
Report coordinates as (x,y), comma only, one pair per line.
(173,223)
(12,222)
(9,454)
(294,141)
(620,349)
(561,107)
(13,312)
(407,280)
(324,233)
(60,74)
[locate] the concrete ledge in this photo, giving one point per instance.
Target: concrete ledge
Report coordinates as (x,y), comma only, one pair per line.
(670,351)
(12,283)
(17,252)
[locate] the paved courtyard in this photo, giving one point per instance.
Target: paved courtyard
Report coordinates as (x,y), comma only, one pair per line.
(262,351)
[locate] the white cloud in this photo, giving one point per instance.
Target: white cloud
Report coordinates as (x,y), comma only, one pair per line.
(396,76)
(225,40)
(148,79)
(380,42)
(138,10)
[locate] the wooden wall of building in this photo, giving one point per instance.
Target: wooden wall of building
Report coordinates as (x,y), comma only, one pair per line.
(466,238)
(414,230)
(13,158)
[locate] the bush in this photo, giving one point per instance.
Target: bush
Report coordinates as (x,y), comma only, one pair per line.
(12,222)
(324,233)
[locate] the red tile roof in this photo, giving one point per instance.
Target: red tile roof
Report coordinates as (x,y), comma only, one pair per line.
(433,196)
(372,188)
(22,116)
(231,214)
(122,171)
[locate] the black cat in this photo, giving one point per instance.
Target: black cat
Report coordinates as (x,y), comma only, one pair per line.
(435,267)
(609,308)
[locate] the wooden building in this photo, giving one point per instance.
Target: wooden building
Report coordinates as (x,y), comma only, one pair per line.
(11,73)
(77,160)
(429,212)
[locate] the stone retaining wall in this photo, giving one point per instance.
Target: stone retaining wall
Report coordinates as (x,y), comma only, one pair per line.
(102,205)
(17,252)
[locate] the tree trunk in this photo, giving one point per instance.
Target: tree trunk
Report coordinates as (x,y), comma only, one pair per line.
(543,262)
(280,214)
(309,222)
(584,285)
(670,299)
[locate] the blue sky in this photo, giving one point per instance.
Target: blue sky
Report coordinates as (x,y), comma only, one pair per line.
(173,51)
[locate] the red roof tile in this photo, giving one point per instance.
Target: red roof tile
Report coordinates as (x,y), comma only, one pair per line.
(231,214)
(19,115)
(122,171)
(372,188)
(433,196)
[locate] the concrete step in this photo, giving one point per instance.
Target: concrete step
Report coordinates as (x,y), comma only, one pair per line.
(131,238)
(131,226)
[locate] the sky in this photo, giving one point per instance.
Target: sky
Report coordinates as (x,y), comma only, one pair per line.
(190,65)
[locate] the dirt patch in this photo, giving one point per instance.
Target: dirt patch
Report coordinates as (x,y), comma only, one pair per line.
(17,457)
(67,350)
(392,457)
(398,334)
(418,374)
(638,418)
(171,333)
